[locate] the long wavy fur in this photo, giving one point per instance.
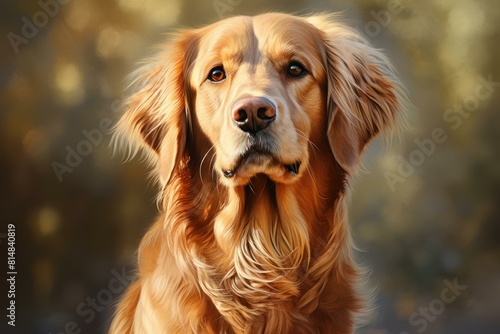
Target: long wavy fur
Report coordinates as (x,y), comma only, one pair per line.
(267,257)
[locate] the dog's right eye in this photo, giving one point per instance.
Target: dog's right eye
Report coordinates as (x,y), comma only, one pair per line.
(216,74)
(296,70)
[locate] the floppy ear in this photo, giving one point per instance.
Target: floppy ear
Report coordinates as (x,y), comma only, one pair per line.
(362,91)
(155,118)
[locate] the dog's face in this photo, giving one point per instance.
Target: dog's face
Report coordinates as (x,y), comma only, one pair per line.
(270,93)
(259,96)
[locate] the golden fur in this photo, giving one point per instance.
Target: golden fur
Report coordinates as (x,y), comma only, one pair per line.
(265,250)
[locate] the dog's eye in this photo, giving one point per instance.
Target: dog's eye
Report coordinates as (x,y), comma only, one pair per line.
(216,74)
(296,70)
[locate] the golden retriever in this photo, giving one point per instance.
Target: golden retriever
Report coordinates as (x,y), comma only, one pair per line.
(253,127)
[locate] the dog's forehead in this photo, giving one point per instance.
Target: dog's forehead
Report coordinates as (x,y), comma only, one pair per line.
(275,29)
(270,34)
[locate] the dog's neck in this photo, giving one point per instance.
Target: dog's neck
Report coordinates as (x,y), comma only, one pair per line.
(291,220)
(259,248)
(266,224)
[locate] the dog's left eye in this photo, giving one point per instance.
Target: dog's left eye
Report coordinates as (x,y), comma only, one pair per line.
(217,74)
(296,70)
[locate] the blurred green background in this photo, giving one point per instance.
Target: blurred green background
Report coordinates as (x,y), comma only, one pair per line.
(424,213)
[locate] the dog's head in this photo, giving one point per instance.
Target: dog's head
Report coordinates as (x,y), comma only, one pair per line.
(267,94)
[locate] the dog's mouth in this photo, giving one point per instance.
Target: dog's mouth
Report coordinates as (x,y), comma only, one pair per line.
(292,168)
(258,160)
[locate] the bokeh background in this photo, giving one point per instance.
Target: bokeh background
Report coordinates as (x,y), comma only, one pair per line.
(62,77)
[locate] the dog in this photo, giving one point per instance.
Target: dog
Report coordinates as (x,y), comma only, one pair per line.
(253,128)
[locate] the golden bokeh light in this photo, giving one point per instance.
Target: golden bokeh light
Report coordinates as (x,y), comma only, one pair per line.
(68,81)
(47,222)
(108,42)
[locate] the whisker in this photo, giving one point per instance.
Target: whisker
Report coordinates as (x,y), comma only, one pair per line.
(304,136)
(250,185)
(202,160)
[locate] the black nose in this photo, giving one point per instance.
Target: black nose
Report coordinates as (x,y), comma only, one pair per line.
(253,114)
